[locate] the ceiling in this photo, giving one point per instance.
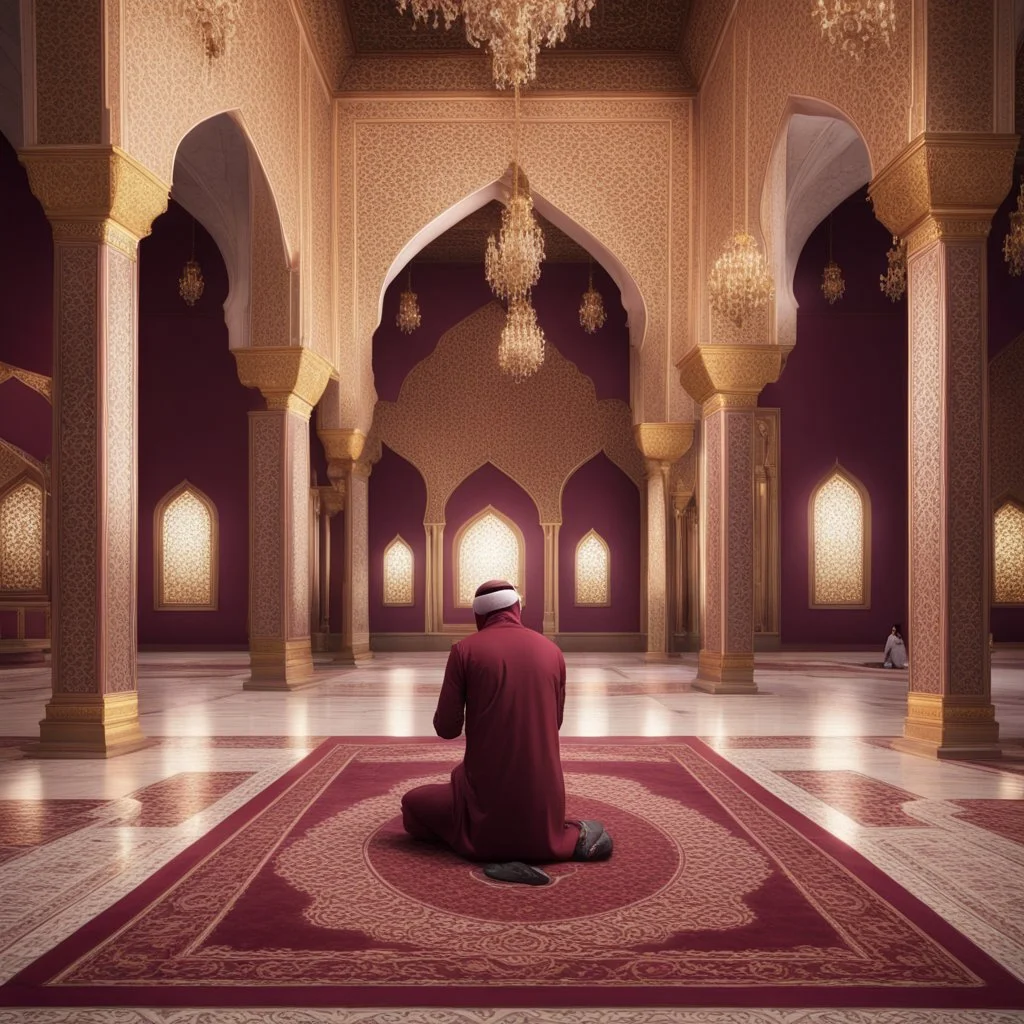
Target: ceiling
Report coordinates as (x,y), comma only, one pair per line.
(466,241)
(616,26)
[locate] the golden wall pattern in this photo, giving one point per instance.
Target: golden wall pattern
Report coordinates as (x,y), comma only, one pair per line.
(593,571)
(1008,554)
(186,571)
(486,548)
(1006,422)
(399,573)
(838,549)
(551,424)
(21,538)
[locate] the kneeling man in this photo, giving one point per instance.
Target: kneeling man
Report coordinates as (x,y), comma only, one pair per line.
(506,801)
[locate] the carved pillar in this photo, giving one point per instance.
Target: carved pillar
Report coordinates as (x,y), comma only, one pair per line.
(661,444)
(433,592)
(313,534)
(766,524)
(680,603)
(726,380)
(550,625)
(291,380)
(940,194)
(331,501)
(100,203)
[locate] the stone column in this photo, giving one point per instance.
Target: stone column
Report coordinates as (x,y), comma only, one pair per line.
(433,593)
(550,623)
(726,379)
(680,569)
(332,501)
(291,380)
(100,203)
(661,444)
(939,195)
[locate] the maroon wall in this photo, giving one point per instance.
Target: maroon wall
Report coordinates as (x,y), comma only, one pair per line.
(26,298)
(489,486)
(843,395)
(193,423)
(398,499)
(599,496)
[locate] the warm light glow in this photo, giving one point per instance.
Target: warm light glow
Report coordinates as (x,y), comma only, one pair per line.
(513,258)
(838,543)
(488,549)
(186,532)
(832,284)
(408,317)
(593,571)
(191,283)
(856,26)
(739,282)
(1008,553)
(592,314)
(398,569)
(21,538)
(521,349)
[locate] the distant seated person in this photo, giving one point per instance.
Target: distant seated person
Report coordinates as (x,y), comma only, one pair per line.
(895,649)
(505,804)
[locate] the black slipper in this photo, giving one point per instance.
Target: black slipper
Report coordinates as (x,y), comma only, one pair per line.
(594,842)
(517,871)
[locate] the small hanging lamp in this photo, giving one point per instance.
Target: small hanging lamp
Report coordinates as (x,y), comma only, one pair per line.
(191,283)
(832,284)
(592,314)
(408,318)
(894,281)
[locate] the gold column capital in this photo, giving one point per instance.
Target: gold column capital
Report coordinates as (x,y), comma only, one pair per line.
(289,377)
(95,193)
(344,444)
(956,179)
(663,442)
(332,499)
(727,375)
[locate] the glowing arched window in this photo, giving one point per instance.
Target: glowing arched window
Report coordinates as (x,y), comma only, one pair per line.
(839,550)
(185,551)
(489,546)
(398,573)
(1008,554)
(22,538)
(593,571)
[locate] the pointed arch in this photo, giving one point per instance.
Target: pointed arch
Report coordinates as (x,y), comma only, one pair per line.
(399,574)
(23,570)
(500,189)
(593,571)
(1008,552)
(489,545)
(186,550)
(839,542)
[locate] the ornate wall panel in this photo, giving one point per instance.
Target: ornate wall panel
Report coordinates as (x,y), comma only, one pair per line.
(549,425)
(11,465)
(328,30)
(271,284)
(321,220)
(488,547)
(399,574)
(1008,554)
(36,381)
(1006,421)
(119,397)
(22,542)
(185,531)
(593,571)
(298,532)
(959,67)
(739,426)
(266,444)
(839,544)
(713,533)
(615,167)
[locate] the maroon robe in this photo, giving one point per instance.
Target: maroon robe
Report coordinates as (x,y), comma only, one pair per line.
(506,800)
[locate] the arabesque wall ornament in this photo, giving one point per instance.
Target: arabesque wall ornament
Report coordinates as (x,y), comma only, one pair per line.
(856,27)
(1013,244)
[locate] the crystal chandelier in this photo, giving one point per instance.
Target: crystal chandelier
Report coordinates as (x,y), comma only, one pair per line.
(832,284)
(514,30)
(521,350)
(592,314)
(1013,244)
(408,318)
(856,25)
(191,283)
(894,281)
(216,21)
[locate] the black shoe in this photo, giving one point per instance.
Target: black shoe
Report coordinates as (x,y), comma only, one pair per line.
(594,842)
(517,871)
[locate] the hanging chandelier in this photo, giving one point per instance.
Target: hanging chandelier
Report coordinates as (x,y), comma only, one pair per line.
(216,21)
(894,281)
(521,349)
(856,26)
(832,284)
(408,318)
(191,283)
(513,30)
(592,314)
(1013,244)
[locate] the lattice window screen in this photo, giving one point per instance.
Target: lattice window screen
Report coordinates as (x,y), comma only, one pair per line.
(593,571)
(187,539)
(838,543)
(22,538)
(488,548)
(1008,552)
(398,573)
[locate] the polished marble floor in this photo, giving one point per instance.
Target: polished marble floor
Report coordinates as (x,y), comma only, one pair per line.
(75,837)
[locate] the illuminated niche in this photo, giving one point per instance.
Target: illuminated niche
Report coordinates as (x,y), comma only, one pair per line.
(839,542)
(593,572)
(398,574)
(1008,553)
(489,546)
(22,538)
(185,550)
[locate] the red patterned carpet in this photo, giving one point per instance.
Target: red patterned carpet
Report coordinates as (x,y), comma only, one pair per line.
(718,895)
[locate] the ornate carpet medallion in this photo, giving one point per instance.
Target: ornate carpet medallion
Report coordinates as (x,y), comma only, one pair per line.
(718,895)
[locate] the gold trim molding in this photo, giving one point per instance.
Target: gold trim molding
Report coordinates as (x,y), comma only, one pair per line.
(940,725)
(663,442)
(277,664)
(290,378)
(963,176)
(343,444)
(725,673)
(95,193)
(730,375)
(83,725)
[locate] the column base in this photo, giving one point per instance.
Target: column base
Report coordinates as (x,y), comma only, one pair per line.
(279,664)
(357,654)
(90,725)
(725,673)
(950,727)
